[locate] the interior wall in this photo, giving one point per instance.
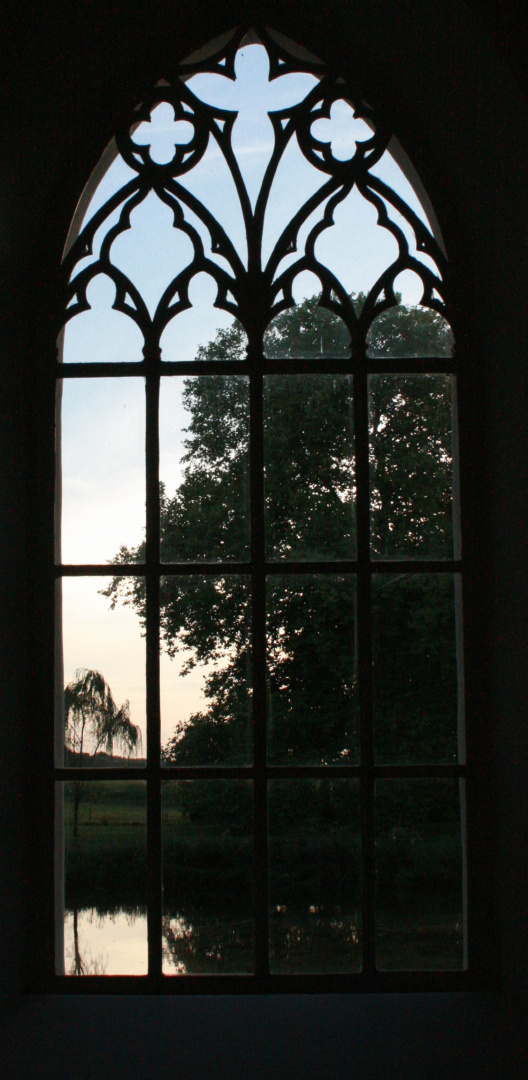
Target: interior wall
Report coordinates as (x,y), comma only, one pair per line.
(458,110)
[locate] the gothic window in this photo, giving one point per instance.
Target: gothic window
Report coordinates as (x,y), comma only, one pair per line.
(260,771)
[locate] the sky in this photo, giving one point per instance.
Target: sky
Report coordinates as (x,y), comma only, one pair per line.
(103,420)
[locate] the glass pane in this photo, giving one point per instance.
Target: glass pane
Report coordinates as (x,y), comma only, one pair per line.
(313,711)
(204,468)
(408,330)
(307,331)
(152,251)
(309,467)
(102,710)
(416,685)
(103,469)
(104,877)
(356,248)
(208,916)
(411,466)
(101,334)
(419,868)
(206,671)
(203,331)
(315,876)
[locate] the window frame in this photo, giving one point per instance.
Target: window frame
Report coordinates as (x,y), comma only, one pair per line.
(369,979)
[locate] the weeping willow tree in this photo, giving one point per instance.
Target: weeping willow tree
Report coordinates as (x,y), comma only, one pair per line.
(93,721)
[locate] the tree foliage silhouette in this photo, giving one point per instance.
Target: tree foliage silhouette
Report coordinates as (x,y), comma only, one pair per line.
(310,515)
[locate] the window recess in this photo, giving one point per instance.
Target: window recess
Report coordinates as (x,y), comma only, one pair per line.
(260,768)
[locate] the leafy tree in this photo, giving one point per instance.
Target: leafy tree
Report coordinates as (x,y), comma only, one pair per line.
(309,508)
(309,467)
(308,331)
(93,720)
(414,668)
(410,466)
(409,331)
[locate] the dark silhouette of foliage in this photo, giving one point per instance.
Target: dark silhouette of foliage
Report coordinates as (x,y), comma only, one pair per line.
(309,507)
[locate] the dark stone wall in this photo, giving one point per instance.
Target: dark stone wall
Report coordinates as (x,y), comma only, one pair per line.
(449,82)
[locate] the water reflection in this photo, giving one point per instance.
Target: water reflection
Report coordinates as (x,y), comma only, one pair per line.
(115,942)
(314,876)
(208,916)
(316,940)
(105,942)
(208,924)
(99,942)
(419,875)
(207,944)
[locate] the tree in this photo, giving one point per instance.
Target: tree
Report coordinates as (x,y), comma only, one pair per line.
(309,507)
(309,330)
(92,720)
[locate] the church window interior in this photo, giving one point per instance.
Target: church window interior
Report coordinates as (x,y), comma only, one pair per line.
(260,765)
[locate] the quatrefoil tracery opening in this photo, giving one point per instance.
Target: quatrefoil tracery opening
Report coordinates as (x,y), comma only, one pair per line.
(163,133)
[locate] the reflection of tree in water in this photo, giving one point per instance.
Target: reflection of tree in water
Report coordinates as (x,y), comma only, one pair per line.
(85,965)
(82,962)
(315,940)
(312,940)
(199,942)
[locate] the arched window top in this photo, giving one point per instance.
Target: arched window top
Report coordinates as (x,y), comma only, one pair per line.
(256,174)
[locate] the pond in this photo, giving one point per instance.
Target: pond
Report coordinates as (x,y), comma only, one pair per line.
(208,918)
(115,943)
(98,943)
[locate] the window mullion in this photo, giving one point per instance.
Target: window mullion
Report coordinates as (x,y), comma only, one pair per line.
(259,668)
(361,430)
(154,882)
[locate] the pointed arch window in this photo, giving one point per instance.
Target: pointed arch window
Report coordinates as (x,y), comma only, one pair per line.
(260,753)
